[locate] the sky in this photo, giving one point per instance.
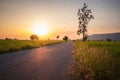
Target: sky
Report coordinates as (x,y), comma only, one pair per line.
(19,17)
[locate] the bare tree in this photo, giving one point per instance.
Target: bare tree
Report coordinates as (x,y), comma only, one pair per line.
(84,16)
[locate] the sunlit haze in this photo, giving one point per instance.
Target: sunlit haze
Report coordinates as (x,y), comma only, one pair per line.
(49,18)
(40,29)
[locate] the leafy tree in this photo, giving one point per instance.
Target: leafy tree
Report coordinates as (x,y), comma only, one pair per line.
(34,37)
(65,38)
(58,37)
(8,39)
(84,16)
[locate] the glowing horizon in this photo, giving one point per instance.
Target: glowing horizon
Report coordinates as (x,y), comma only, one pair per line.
(17,18)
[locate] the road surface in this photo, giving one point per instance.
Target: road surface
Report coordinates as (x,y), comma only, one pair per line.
(45,63)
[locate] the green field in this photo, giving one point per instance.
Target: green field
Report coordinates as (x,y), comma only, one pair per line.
(15,45)
(95,60)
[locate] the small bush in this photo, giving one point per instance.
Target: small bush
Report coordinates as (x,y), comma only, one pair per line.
(108,39)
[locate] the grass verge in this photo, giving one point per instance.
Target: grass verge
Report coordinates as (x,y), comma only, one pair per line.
(95,60)
(15,45)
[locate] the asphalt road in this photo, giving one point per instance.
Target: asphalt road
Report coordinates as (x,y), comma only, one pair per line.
(45,63)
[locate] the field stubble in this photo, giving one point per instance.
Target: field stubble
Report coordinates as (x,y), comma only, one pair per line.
(15,45)
(95,60)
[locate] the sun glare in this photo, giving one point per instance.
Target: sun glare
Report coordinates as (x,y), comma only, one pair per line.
(40,29)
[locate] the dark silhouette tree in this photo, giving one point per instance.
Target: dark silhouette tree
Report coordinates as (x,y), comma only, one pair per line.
(108,39)
(58,37)
(34,37)
(8,39)
(84,16)
(65,38)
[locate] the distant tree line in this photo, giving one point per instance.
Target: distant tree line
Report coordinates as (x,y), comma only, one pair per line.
(11,39)
(36,37)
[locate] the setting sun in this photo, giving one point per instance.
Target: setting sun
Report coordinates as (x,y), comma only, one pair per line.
(40,29)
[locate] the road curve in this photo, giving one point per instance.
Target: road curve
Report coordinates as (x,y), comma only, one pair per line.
(45,63)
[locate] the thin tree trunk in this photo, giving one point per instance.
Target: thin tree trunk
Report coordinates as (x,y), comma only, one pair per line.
(83,36)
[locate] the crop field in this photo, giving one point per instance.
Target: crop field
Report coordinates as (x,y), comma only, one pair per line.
(15,45)
(95,60)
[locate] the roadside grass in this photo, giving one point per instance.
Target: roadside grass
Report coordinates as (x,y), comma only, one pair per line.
(15,45)
(95,60)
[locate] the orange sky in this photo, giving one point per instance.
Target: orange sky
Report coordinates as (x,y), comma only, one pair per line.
(18,17)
